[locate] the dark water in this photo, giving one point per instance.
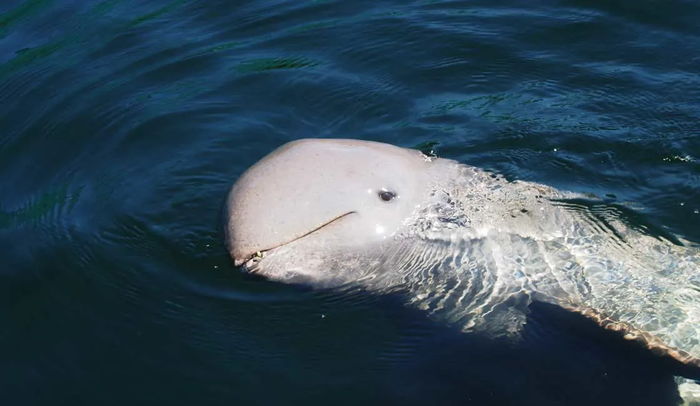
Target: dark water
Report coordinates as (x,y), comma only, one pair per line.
(123,123)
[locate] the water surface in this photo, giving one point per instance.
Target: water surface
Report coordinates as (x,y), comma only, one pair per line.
(123,123)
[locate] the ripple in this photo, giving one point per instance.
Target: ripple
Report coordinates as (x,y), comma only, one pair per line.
(48,207)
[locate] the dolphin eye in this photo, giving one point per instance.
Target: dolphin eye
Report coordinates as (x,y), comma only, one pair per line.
(386,195)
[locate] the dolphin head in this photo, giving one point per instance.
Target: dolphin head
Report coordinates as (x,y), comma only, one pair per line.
(317,198)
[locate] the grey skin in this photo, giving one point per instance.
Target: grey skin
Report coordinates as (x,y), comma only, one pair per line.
(468,246)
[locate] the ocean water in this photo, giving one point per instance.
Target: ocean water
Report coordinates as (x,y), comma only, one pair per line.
(123,124)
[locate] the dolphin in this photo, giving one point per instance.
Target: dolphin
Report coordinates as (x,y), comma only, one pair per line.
(468,246)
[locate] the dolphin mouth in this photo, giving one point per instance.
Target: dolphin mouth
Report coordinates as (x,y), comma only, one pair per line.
(253,259)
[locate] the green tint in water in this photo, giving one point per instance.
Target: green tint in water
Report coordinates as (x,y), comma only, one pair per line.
(37,210)
(158,13)
(265,64)
(24,10)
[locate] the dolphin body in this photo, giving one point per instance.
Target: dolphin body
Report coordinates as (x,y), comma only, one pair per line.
(466,245)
